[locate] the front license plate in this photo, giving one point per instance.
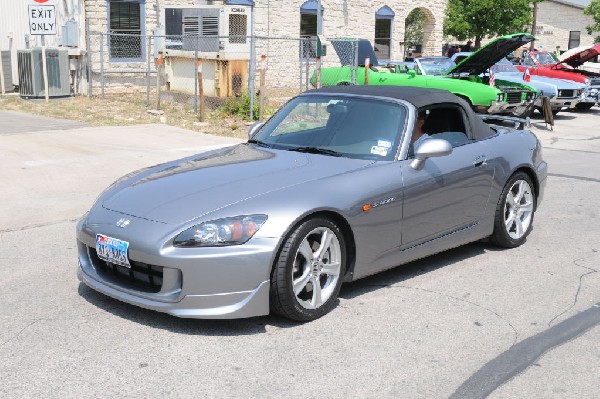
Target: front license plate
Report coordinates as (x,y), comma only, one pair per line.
(112,250)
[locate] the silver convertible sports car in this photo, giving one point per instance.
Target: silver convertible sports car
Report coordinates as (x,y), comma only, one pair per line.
(330,189)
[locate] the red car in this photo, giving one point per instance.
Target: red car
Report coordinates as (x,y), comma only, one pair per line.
(544,63)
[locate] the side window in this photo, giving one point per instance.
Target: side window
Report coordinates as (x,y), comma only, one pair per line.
(448,123)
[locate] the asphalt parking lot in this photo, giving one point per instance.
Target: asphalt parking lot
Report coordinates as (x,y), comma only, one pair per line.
(467,323)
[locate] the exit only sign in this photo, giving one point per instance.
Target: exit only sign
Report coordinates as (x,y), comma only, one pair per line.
(42,18)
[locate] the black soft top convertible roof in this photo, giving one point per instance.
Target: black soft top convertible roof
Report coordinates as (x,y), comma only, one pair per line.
(417,96)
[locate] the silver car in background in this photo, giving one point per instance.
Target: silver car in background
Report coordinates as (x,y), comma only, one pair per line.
(329,190)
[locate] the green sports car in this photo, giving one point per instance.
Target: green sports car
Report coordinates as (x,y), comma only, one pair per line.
(482,97)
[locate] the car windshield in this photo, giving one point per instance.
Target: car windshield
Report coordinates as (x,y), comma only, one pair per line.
(545,58)
(504,65)
(436,66)
(336,125)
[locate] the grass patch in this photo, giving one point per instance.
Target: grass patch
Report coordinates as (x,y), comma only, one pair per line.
(130,109)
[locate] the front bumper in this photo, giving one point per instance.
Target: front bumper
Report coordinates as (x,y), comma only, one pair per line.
(212,283)
(229,305)
(560,103)
(497,107)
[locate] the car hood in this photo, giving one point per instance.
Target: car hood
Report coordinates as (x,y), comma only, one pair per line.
(579,55)
(561,84)
(546,88)
(183,190)
(482,59)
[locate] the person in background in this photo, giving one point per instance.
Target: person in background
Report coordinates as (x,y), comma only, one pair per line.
(468,46)
(557,52)
(452,50)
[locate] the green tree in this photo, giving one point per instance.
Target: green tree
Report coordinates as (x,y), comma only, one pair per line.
(413,32)
(593,10)
(478,19)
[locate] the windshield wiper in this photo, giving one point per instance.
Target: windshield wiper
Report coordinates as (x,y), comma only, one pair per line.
(260,143)
(316,150)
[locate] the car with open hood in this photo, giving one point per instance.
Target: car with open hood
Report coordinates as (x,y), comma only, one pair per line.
(482,97)
(476,65)
(592,64)
(544,63)
(562,93)
(332,188)
(437,72)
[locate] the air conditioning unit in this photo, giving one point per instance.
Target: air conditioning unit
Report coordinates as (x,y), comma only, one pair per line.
(31,75)
(6,71)
(217,29)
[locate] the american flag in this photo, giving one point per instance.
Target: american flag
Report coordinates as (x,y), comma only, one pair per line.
(526,75)
(492,78)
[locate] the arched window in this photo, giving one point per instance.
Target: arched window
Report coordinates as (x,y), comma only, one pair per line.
(308,28)
(383,33)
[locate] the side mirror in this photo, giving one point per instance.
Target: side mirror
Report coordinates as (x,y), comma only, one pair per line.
(254,128)
(430,148)
(412,73)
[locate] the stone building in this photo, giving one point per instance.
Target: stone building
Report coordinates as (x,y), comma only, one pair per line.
(562,23)
(380,21)
(281,28)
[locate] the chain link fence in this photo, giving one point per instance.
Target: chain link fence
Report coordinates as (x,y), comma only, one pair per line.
(205,73)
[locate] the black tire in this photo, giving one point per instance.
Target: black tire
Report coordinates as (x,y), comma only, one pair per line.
(503,234)
(291,265)
(584,105)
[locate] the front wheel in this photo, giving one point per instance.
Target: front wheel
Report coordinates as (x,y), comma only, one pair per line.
(307,275)
(514,213)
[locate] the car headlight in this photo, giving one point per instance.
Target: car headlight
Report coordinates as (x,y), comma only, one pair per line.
(500,97)
(221,232)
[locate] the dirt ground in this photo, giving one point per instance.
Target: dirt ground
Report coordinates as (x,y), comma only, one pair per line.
(129,109)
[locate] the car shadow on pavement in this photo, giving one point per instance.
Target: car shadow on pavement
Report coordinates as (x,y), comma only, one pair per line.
(163,321)
(413,269)
(262,325)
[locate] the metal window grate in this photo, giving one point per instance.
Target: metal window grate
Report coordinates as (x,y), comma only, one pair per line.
(238,28)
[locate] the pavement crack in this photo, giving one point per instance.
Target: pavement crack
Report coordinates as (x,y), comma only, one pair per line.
(515,332)
(521,356)
(19,333)
(580,283)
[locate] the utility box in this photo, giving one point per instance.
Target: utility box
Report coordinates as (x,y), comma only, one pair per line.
(31,74)
(69,34)
(215,31)
(6,70)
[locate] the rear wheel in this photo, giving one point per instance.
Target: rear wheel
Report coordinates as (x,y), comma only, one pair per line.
(514,213)
(307,275)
